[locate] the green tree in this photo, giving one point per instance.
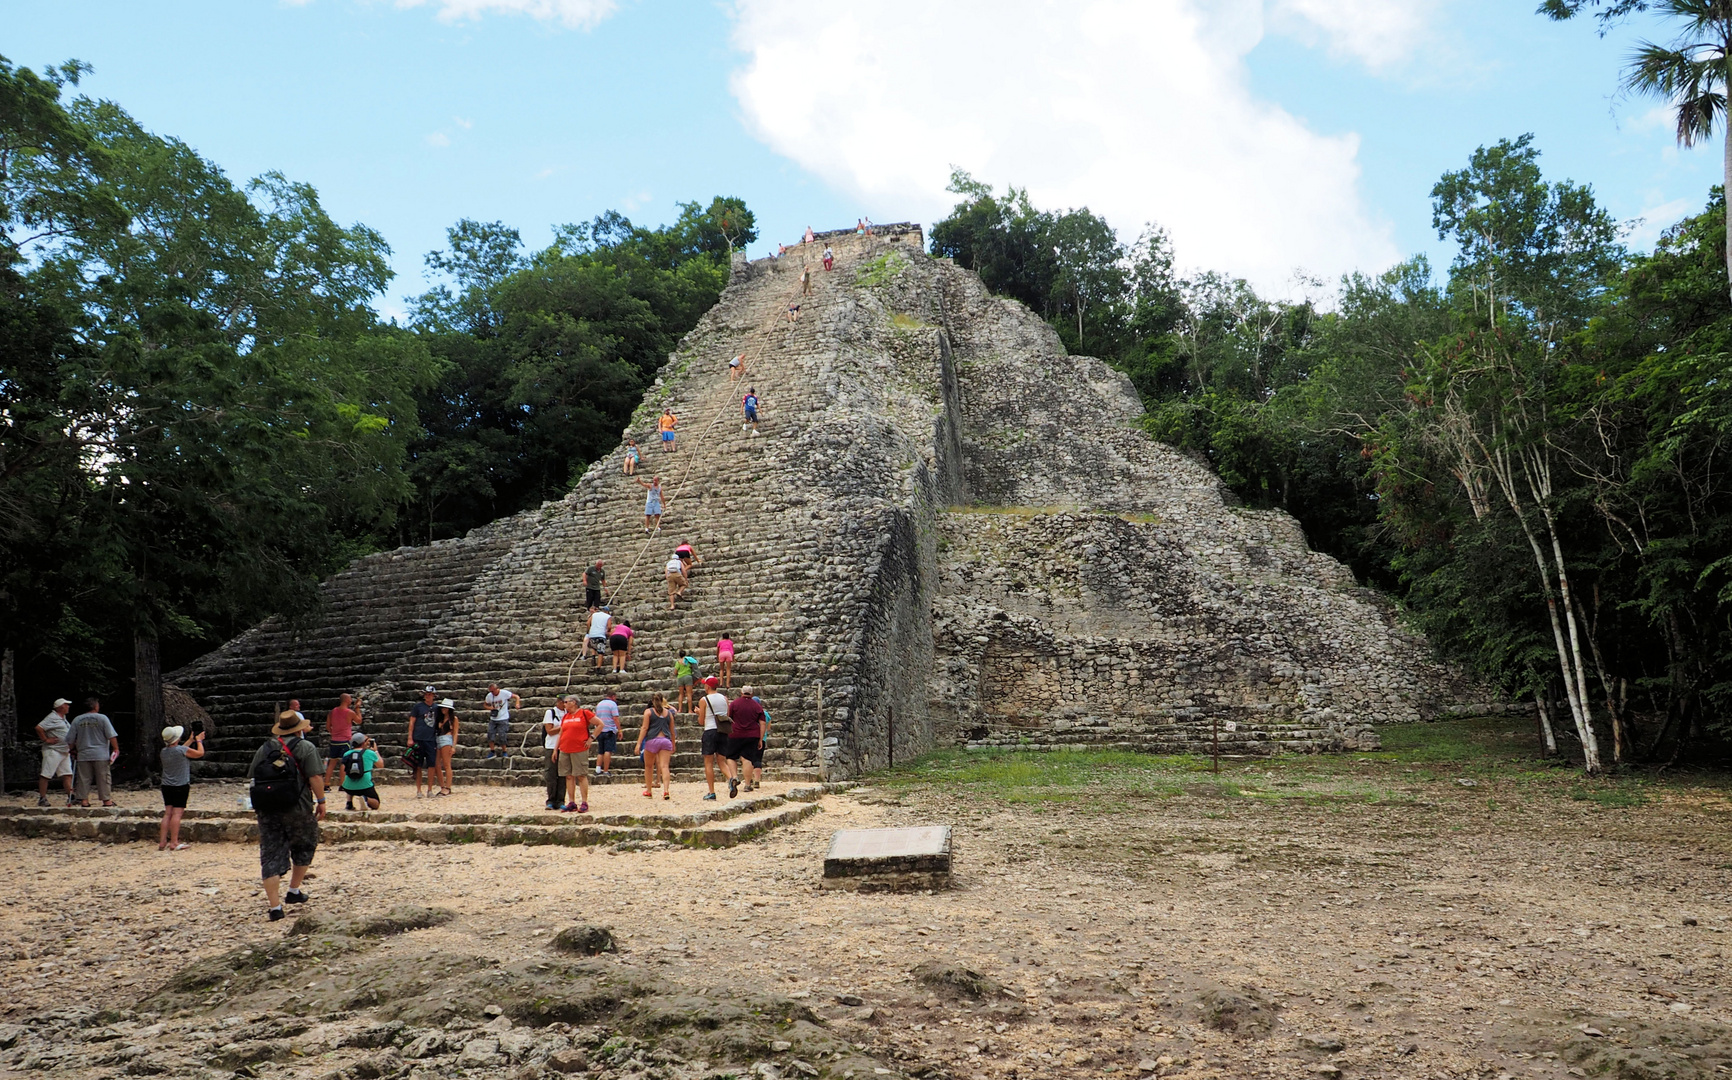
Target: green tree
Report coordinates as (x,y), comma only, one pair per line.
(546,355)
(216,420)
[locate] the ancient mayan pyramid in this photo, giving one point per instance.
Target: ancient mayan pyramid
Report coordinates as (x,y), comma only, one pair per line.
(949,531)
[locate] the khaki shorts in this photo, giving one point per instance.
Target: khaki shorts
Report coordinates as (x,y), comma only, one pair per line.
(56,761)
(574,764)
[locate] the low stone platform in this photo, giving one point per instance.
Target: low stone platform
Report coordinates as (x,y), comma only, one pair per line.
(889,860)
(722,824)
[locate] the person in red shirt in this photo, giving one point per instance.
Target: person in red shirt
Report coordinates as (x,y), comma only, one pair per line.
(575,728)
(340,725)
(746,741)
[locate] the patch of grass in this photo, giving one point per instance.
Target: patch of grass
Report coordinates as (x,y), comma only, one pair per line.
(1610,796)
(1480,740)
(908,322)
(880,271)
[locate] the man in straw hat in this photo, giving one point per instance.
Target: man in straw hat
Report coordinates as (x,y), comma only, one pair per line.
(288,792)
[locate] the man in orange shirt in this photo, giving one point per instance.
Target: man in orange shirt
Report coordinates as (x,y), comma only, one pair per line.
(575,728)
(340,725)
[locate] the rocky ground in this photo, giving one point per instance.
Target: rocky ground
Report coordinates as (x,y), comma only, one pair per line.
(1446,907)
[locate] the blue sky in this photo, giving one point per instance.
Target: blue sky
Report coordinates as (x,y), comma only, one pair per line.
(1266,135)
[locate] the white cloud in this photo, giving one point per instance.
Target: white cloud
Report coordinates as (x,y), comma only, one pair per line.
(438,138)
(1139,109)
(577,14)
(462,123)
(1377,32)
(1643,231)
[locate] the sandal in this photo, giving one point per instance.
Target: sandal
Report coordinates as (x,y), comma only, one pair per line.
(646,794)
(179,847)
(109,802)
(665,795)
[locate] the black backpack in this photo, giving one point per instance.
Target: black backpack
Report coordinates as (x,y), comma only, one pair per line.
(278,780)
(355,764)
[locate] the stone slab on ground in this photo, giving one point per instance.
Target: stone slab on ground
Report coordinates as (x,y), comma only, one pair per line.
(889,860)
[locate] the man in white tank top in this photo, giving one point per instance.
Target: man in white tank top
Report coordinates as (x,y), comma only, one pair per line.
(713,709)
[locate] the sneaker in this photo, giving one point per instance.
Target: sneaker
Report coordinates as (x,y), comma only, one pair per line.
(568,808)
(276,913)
(743,427)
(41,800)
(295,896)
(348,806)
(490,756)
(733,787)
(711,797)
(553,806)
(583,808)
(754,433)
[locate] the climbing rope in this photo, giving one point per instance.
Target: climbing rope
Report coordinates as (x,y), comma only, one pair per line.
(762,338)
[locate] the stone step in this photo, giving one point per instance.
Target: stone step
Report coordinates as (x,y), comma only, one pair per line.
(725,825)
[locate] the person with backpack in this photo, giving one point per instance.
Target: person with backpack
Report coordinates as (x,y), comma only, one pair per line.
(685,677)
(288,795)
(359,761)
(713,712)
(550,725)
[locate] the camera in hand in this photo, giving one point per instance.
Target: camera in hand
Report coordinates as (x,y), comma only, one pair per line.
(194,729)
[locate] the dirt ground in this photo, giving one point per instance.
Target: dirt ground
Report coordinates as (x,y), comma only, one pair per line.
(1446,908)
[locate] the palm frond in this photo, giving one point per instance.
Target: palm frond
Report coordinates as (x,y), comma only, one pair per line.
(1691,77)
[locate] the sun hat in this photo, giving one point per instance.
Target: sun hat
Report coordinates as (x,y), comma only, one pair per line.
(59,701)
(448,703)
(172,734)
(289,722)
(428,690)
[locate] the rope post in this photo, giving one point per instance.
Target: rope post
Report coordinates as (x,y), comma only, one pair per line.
(821,769)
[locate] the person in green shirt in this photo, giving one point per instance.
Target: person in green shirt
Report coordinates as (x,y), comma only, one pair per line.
(359,761)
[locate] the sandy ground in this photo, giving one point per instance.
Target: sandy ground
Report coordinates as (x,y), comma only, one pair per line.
(1430,928)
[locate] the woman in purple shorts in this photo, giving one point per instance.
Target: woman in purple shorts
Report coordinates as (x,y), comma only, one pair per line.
(655,741)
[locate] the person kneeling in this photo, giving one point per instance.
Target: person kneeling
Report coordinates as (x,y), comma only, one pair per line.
(359,761)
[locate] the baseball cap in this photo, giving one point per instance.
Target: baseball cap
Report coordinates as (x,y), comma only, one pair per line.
(357,739)
(428,690)
(712,682)
(59,701)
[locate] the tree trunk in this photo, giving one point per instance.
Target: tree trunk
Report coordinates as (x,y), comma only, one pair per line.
(1547,735)
(1726,179)
(147,695)
(1612,709)
(8,712)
